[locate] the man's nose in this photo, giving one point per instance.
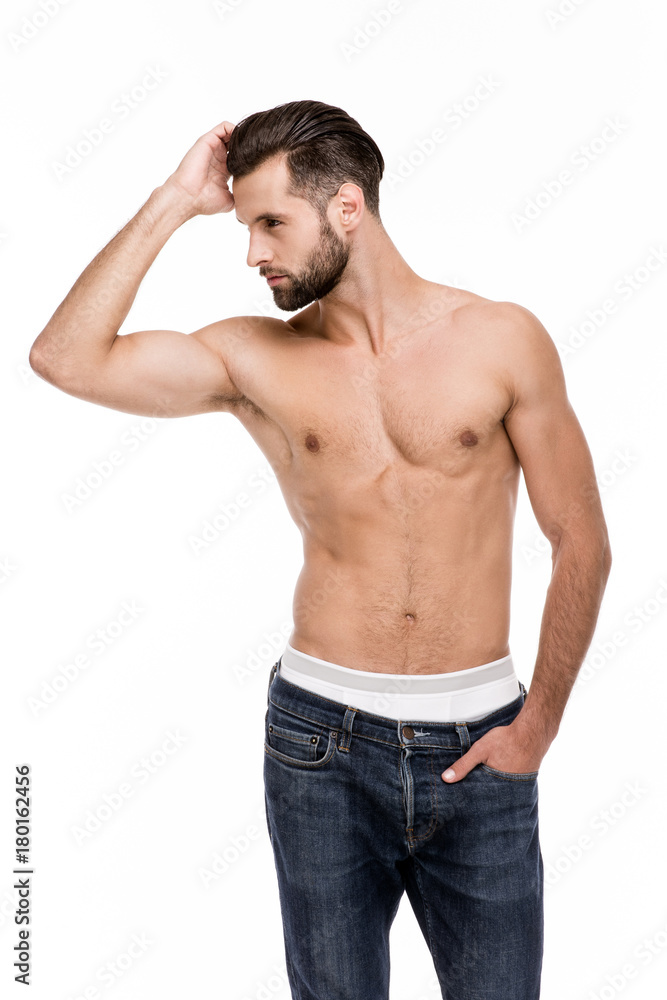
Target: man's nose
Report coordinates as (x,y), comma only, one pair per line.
(257,254)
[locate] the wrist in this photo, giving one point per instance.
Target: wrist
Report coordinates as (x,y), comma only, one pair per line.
(169,204)
(535,730)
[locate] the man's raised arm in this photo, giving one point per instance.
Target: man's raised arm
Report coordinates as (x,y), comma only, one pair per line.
(152,372)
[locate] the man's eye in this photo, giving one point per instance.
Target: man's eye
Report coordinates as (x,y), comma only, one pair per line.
(272,222)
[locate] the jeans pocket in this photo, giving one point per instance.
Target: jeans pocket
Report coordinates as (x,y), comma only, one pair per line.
(510,775)
(296,740)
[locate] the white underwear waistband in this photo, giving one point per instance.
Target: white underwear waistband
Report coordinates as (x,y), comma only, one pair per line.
(454,696)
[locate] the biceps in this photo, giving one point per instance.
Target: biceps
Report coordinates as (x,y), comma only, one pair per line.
(558,471)
(160,373)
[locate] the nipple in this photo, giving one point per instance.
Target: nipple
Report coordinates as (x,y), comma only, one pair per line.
(312,444)
(468,438)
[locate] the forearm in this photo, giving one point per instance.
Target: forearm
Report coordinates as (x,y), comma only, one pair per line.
(570,615)
(82,329)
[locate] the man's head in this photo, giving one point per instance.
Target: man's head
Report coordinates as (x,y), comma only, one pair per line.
(291,165)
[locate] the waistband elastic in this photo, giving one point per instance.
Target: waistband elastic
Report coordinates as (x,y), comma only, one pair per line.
(367,680)
(468,694)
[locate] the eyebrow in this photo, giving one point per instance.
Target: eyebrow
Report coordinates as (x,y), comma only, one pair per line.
(264,215)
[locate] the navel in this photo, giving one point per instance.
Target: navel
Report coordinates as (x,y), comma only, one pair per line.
(410,617)
(312,444)
(468,438)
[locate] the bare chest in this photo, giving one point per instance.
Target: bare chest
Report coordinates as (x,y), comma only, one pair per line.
(424,404)
(410,415)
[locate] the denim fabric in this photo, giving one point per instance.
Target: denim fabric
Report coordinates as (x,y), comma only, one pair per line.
(357,813)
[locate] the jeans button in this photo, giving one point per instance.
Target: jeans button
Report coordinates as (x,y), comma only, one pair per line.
(408,732)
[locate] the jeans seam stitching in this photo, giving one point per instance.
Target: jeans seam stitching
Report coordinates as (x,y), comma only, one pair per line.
(508,776)
(431,944)
(307,765)
(434,820)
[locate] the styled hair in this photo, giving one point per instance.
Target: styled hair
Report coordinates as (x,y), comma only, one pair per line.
(324,148)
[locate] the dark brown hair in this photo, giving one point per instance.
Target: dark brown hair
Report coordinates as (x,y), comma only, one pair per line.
(325,147)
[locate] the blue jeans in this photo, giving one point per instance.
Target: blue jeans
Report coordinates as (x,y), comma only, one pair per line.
(357,813)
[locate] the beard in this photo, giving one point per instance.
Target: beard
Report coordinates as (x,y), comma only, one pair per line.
(322,272)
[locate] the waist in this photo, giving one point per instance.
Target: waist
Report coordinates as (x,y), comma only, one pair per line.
(455,695)
(342,612)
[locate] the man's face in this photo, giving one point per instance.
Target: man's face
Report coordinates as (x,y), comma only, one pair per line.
(289,239)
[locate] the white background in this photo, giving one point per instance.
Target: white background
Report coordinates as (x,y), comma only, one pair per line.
(195,658)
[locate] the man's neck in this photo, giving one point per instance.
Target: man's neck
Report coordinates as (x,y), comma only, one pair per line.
(374,299)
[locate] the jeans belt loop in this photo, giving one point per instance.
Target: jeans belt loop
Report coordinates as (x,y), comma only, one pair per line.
(346,735)
(272,674)
(464,736)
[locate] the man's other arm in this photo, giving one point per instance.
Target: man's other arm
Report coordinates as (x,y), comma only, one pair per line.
(562,487)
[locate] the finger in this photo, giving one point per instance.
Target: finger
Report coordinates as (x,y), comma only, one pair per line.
(462,767)
(223,130)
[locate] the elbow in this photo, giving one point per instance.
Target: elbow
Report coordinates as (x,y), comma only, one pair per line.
(599,555)
(37,358)
(36,361)
(41,367)
(606,557)
(592,549)
(46,367)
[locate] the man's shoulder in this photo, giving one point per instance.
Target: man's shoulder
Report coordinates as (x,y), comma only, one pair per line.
(502,313)
(247,327)
(509,326)
(236,338)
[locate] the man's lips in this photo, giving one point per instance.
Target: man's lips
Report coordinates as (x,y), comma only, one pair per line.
(275,279)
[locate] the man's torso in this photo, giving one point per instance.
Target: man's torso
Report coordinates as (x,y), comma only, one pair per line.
(401,478)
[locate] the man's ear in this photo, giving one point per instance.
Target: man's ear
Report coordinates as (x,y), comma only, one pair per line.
(350,205)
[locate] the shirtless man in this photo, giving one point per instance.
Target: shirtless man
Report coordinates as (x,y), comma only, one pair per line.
(402,752)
